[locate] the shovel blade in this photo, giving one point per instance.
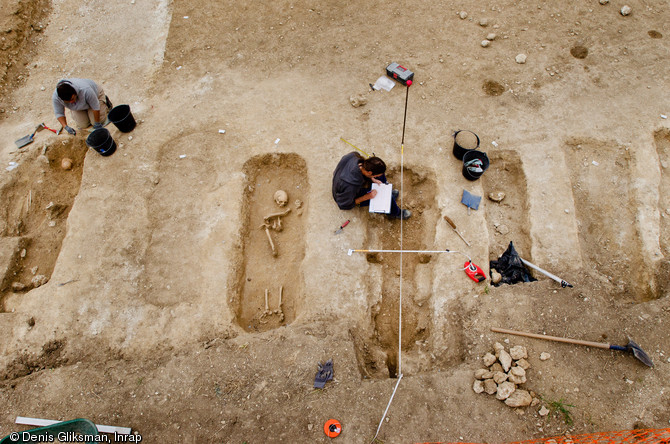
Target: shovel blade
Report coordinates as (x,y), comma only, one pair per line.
(639,353)
(25,140)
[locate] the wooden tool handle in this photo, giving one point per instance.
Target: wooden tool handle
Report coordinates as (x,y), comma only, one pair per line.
(551,338)
(450,222)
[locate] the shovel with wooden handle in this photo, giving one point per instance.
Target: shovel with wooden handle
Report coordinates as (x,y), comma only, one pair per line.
(631,347)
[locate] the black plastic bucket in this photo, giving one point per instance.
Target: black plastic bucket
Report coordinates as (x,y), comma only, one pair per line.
(464,141)
(122,118)
(472,155)
(101,141)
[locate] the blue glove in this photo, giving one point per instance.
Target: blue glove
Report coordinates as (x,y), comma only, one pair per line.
(97,126)
(70,131)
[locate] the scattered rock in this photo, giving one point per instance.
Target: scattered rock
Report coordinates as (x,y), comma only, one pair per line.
(518,352)
(496,196)
(506,371)
(517,375)
(18,286)
(358,100)
(523,364)
(23,253)
(66,163)
(505,390)
(544,356)
(489,359)
(543,410)
(521,58)
(626,10)
(483,23)
(39,280)
(519,398)
(483,373)
(604,2)
(495,276)
(505,360)
(463,15)
(485,43)
(490,387)
(492,36)
(499,377)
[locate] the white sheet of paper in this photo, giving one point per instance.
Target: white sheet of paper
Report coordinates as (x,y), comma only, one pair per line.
(381,203)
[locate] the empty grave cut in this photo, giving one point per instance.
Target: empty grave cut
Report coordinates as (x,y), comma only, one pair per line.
(377,344)
(606,220)
(507,220)
(36,198)
(273,248)
(662,141)
(183,212)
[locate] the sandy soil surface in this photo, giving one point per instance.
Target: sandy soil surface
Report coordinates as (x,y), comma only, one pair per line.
(140,289)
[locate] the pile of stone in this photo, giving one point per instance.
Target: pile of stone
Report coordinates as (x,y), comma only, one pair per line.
(504,376)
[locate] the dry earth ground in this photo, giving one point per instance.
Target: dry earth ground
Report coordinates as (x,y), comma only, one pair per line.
(153,313)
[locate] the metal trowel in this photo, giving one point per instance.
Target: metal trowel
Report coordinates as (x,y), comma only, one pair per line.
(25,140)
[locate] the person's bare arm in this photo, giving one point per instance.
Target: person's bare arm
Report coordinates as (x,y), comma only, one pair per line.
(365,197)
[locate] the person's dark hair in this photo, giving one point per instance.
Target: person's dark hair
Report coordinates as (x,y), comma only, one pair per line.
(374,165)
(65,91)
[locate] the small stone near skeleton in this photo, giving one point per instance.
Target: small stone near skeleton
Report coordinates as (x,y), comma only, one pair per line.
(358,100)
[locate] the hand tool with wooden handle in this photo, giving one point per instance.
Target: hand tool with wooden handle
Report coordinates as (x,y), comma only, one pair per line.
(631,347)
(453,225)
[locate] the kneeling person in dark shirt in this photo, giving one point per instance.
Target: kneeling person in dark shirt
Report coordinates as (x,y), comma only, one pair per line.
(352,183)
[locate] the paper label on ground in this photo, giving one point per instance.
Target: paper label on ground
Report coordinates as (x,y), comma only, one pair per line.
(381,203)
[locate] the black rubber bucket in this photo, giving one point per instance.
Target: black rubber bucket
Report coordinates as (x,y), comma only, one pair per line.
(122,118)
(472,155)
(464,141)
(101,141)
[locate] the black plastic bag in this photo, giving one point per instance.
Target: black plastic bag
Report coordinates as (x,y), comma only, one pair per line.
(511,268)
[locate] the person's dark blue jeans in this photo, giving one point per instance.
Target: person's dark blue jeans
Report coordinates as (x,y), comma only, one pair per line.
(395,209)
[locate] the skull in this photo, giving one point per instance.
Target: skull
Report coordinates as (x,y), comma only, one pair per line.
(281,198)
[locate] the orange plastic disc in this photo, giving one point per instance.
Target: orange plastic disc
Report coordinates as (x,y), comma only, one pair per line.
(332,428)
